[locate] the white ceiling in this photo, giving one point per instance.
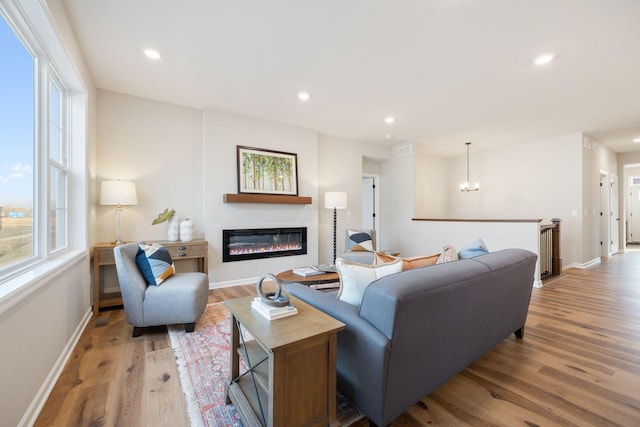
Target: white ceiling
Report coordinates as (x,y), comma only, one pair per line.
(449,71)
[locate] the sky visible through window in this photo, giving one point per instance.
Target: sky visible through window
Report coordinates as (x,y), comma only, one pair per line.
(16,122)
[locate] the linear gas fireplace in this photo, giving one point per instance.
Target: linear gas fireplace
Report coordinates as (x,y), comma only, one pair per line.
(255,243)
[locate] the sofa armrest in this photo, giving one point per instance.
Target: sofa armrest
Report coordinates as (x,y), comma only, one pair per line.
(363,351)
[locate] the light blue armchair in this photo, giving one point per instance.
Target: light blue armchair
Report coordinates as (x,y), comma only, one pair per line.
(180,299)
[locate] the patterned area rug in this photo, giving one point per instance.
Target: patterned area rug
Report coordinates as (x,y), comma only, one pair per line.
(203,362)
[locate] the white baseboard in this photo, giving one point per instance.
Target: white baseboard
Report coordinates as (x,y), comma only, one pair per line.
(31,415)
(229,283)
(583,265)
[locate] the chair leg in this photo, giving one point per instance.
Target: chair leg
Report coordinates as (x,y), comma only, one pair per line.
(520,333)
(190,327)
(137,331)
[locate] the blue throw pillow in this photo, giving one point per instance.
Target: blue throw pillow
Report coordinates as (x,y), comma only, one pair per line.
(155,263)
(477,247)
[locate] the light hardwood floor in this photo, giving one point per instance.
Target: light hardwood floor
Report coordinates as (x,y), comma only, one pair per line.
(578,365)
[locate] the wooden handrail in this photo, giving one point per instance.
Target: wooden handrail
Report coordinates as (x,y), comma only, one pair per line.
(550,255)
(474,220)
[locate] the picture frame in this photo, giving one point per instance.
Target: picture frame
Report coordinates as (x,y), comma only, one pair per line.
(262,171)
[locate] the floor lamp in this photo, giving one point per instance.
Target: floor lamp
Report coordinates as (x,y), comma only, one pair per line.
(118,193)
(335,200)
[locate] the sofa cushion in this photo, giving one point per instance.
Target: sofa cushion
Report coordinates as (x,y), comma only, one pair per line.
(448,254)
(155,263)
(355,277)
(407,263)
(359,241)
(475,248)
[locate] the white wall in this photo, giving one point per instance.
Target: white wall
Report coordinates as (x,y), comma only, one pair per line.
(535,180)
(540,180)
(590,250)
(371,166)
(554,178)
(340,168)
(413,238)
(194,164)
(38,334)
(223,131)
(432,190)
(159,147)
(398,204)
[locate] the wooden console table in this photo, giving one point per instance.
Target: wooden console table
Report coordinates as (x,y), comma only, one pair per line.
(293,364)
(195,250)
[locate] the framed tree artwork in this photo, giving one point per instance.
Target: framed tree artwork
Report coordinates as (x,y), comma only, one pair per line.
(263,171)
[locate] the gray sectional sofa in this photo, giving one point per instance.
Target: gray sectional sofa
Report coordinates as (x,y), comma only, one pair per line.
(416,329)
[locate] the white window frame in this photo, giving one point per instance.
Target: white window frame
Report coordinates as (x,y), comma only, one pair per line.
(61,166)
(33,25)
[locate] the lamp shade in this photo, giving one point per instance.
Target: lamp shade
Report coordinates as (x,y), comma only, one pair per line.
(335,199)
(118,193)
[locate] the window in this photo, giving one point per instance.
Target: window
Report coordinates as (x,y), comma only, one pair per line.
(17,145)
(34,164)
(57,169)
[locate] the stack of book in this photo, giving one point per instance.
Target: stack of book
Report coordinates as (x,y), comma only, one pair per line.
(307,271)
(326,268)
(270,312)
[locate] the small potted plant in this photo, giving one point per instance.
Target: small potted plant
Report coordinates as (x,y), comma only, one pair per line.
(169,215)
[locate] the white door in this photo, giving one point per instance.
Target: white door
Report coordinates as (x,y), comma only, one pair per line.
(615,216)
(371,204)
(604,215)
(634,214)
(368,202)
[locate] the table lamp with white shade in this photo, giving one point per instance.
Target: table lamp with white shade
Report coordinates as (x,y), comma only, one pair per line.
(335,200)
(118,193)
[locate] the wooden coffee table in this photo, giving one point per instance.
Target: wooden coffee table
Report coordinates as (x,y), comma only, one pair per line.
(288,276)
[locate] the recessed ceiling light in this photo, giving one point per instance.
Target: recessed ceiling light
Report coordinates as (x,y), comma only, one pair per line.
(152,54)
(303,96)
(636,140)
(389,120)
(543,59)
(388,136)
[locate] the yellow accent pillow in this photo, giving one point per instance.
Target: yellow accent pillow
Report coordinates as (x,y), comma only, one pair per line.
(407,263)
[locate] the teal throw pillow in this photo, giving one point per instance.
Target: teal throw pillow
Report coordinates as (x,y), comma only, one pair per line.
(155,263)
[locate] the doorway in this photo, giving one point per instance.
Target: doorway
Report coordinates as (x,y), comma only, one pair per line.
(604,215)
(615,215)
(371,204)
(609,218)
(633,219)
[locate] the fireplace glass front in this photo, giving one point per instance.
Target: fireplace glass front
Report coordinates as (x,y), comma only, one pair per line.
(246,244)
